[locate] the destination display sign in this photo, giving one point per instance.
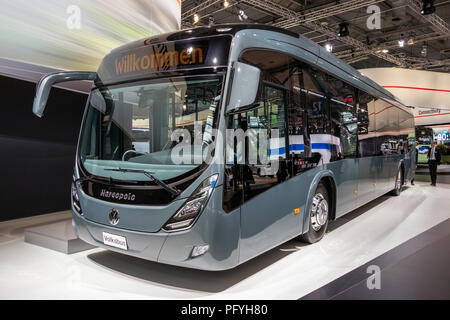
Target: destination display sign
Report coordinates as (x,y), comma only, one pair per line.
(152,59)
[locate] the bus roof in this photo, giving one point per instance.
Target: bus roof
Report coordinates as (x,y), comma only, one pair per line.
(199,32)
(232,29)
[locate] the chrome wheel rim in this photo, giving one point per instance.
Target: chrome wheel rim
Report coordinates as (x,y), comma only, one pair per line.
(319,212)
(398,182)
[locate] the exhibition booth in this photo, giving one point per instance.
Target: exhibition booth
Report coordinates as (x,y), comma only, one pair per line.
(151,152)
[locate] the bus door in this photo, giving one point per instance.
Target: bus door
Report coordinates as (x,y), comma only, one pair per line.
(268,213)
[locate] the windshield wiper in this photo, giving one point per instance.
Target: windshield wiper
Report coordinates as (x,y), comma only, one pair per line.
(94,178)
(84,178)
(173,191)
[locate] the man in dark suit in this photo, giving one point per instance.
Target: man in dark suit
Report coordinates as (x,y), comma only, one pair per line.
(416,151)
(434,158)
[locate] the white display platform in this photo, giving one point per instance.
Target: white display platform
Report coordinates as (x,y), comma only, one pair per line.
(58,236)
(289,271)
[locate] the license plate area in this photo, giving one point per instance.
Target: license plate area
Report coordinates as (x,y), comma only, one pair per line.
(114,240)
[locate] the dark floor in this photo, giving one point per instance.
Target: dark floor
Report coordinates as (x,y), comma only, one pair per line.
(417,269)
(443,173)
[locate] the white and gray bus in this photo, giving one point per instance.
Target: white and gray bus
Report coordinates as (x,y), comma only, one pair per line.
(338,139)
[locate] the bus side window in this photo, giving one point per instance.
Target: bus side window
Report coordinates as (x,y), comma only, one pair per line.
(317,105)
(265,150)
(318,111)
(366,125)
(343,119)
(407,132)
(258,160)
(387,128)
(266,162)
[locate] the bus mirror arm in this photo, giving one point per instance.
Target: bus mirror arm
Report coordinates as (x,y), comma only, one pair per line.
(47,81)
(245,88)
(243,109)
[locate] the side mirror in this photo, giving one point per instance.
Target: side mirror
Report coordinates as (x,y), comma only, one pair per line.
(47,81)
(246,85)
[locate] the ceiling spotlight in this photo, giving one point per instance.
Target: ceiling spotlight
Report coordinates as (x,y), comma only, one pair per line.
(196,18)
(401,43)
(343,29)
(226,4)
(242,16)
(410,41)
(385,51)
(424,50)
(329,47)
(210,21)
(428,7)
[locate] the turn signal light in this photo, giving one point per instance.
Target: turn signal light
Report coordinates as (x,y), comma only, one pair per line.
(199,250)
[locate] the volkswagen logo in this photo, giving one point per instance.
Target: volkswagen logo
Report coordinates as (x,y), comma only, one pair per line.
(114,217)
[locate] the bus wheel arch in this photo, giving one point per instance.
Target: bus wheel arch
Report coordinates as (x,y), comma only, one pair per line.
(322,197)
(331,186)
(399,183)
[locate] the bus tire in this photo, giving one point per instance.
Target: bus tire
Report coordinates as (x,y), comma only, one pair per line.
(398,183)
(318,216)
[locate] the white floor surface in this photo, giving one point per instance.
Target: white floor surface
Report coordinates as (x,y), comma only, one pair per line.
(288,272)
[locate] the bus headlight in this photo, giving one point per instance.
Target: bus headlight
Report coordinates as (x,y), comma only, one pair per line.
(75,198)
(185,216)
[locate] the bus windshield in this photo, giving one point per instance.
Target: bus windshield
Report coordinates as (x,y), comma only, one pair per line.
(135,126)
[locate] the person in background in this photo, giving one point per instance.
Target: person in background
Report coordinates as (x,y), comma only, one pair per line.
(434,158)
(417,160)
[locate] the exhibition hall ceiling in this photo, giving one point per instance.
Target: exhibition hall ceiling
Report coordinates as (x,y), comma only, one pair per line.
(381,33)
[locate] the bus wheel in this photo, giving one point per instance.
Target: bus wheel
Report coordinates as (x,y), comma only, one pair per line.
(318,216)
(398,183)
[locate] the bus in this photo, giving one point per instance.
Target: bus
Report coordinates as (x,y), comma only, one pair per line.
(288,138)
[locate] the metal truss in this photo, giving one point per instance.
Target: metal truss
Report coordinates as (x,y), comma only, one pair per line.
(325,12)
(357,59)
(421,38)
(187,23)
(272,7)
(412,62)
(437,23)
(204,5)
(356,44)
(390,45)
(431,64)
(316,26)
(352,56)
(359,50)
(424,61)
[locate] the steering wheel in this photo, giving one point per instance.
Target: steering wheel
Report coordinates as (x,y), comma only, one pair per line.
(129,151)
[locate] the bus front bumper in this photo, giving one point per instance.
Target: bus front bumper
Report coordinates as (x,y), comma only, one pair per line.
(168,248)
